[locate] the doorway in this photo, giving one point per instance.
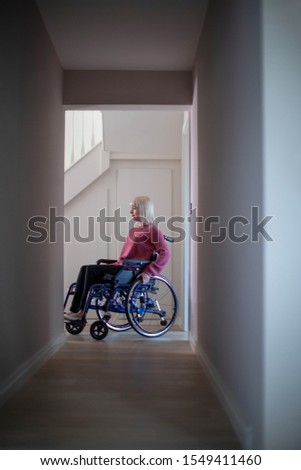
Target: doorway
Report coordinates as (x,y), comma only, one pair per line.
(143,152)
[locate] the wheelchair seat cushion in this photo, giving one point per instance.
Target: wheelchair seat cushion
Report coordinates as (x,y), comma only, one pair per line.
(125,276)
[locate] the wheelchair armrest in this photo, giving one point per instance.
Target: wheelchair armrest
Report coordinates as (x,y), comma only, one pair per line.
(135,263)
(106,261)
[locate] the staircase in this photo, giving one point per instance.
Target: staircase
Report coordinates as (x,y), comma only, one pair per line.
(85,157)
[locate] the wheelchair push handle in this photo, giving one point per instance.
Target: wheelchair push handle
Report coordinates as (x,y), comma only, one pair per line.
(169,239)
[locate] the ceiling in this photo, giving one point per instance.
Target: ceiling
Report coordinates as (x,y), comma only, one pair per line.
(124,34)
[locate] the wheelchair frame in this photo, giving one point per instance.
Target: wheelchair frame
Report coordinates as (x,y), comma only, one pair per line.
(150,309)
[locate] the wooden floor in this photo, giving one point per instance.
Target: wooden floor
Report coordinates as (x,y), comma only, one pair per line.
(126,392)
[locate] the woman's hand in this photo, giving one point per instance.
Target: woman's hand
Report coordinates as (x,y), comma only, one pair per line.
(144,278)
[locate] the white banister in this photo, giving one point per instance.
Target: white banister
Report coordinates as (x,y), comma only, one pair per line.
(83,131)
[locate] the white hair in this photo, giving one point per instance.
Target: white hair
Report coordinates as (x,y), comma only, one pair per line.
(145,207)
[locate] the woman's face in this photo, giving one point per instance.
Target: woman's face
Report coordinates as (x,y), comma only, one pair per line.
(134,211)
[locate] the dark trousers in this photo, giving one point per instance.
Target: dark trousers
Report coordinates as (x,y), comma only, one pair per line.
(89,275)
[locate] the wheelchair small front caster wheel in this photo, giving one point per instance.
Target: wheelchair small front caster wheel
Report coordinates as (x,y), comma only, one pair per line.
(163,322)
(75,328)
(99,330)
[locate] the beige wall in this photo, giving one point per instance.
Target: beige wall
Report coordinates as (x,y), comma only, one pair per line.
(245,152)
(282,195)
(226,180)
(31,179)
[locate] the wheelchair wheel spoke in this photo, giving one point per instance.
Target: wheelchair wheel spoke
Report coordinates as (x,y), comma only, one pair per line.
(152,308)
(113,311)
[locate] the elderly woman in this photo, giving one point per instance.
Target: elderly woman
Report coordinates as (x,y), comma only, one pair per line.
(142,240)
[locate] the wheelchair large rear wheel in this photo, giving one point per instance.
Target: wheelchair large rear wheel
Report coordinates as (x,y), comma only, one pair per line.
(113,311)
(152,307)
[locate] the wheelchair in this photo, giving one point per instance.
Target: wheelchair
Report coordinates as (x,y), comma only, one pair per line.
(122,301)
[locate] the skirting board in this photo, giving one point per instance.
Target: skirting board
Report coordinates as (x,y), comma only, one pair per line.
(243,431)
(19,377)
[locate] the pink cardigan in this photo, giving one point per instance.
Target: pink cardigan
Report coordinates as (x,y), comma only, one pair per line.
(141,242)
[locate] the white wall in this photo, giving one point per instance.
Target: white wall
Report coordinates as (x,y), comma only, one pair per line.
(282,193)
(145,147)
(32,143)
(152,134)
(226,174)
(245,151)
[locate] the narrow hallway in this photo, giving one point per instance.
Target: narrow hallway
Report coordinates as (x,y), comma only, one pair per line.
(126,392)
